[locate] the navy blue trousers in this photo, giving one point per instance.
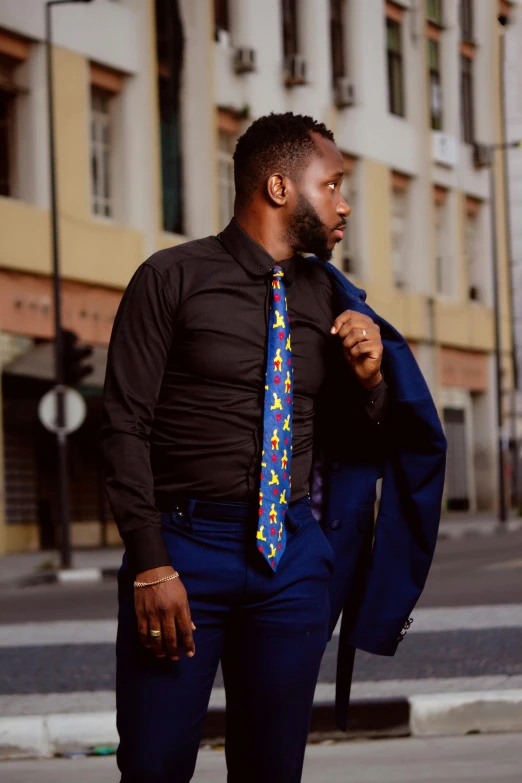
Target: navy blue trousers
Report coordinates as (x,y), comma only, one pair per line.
(268,629)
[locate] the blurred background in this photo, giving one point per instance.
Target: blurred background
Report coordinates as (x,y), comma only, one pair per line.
(148,100)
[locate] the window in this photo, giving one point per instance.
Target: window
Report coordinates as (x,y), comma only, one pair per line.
(472,248)
(101,141)
(170,46)
(435,84)
(442,261)
(226,146)
(466,99)
(434,11)
(349,259)
(337,16)
(13,52)
(466,20)
(7,136)
(400,229)
(221,21)
(290,35)
(395,67)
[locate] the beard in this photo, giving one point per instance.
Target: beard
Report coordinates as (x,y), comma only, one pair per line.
(307,232)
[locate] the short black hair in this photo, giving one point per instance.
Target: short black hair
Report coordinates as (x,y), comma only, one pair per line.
(275,142)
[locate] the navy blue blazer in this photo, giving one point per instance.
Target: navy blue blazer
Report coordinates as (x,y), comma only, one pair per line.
(380,566)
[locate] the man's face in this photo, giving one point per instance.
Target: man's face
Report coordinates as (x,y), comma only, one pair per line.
(318,217)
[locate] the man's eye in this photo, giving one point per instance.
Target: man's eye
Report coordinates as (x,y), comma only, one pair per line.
(332,185)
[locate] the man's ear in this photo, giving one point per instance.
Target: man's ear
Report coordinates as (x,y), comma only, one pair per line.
(277,187)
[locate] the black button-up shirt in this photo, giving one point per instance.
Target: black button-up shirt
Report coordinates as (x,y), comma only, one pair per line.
(184,389)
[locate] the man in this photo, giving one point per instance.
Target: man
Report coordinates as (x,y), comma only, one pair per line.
(235,362)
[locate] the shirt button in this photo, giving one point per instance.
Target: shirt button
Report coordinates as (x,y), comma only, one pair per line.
(260,269)
(335,524)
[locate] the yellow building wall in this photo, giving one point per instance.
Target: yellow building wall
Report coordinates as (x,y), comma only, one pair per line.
(92,249)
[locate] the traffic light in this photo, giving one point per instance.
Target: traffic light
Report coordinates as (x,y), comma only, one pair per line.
(74,356)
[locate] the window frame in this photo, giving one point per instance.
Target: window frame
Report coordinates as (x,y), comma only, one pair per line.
(401,186)
(395,67)
(290,28)
(437,17)
(337,39)
(467,99)
(435,81)
(466,14)
(101,151)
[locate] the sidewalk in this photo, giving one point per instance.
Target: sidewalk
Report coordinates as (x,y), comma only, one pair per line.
(96,564)
(457,759)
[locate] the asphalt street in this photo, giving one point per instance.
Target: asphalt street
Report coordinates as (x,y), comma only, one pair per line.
(473,571)
(474,759)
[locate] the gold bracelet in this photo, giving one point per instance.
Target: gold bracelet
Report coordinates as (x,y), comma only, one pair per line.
(168,578)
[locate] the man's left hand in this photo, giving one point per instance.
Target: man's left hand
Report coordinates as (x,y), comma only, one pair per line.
(362,346)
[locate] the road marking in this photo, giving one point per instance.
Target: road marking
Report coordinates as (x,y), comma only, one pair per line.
(439,619)
(464,618)
(505,565)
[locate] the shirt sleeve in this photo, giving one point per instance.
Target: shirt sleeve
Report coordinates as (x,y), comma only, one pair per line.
(376,403)
(138,351)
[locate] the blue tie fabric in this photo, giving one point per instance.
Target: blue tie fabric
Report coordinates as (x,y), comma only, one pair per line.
(276,458)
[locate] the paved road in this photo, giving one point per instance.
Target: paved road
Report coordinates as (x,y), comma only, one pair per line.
(470,571)
(476,759)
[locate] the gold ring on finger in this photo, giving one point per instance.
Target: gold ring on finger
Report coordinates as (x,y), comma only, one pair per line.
(155,634)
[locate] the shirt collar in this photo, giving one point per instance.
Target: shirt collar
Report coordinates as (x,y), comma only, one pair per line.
(252,257)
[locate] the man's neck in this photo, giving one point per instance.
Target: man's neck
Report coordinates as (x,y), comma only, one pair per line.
(269,237)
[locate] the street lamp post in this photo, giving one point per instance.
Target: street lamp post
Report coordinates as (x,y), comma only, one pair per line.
(61,438)
(485,153)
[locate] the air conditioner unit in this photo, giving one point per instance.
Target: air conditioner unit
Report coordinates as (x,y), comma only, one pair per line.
(344,92)
(295,70)
(244,60)
(482,156)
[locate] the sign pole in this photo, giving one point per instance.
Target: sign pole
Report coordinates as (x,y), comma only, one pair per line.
(63,511)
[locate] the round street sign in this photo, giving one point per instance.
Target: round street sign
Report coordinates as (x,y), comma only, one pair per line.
(75,410)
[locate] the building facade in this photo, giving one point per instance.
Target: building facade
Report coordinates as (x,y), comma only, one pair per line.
(151,96)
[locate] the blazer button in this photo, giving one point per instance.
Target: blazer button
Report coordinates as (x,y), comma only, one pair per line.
(335,524)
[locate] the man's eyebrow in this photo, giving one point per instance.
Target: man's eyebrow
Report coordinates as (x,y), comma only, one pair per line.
(337,175)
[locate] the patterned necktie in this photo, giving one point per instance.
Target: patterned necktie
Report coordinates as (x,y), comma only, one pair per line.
(274,490)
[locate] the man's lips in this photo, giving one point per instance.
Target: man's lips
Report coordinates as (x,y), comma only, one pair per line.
(339,232)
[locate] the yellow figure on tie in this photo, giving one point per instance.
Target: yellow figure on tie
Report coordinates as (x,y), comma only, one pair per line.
(278,361)
(279,322)
(282,498)
(278,405)
(260,535)
(263,464)
(288,344)
(284,460)
(288,382)
(274,479)
(275,441)
(280,534)
(273,514)
(272,551)
(286,425)
(260,498)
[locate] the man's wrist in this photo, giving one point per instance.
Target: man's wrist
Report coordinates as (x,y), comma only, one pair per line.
(152,574)
(371,383)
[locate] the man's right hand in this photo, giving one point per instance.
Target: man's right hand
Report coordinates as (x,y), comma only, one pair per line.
(164,607)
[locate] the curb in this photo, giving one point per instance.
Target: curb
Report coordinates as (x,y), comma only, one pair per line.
(74,576)
(451,714)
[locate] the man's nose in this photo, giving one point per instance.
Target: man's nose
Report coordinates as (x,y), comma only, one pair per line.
(343,208)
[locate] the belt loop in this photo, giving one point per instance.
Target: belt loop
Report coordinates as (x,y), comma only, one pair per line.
(191,505)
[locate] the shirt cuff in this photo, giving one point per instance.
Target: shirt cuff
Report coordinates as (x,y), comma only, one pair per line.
(146,548)
(375,402)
